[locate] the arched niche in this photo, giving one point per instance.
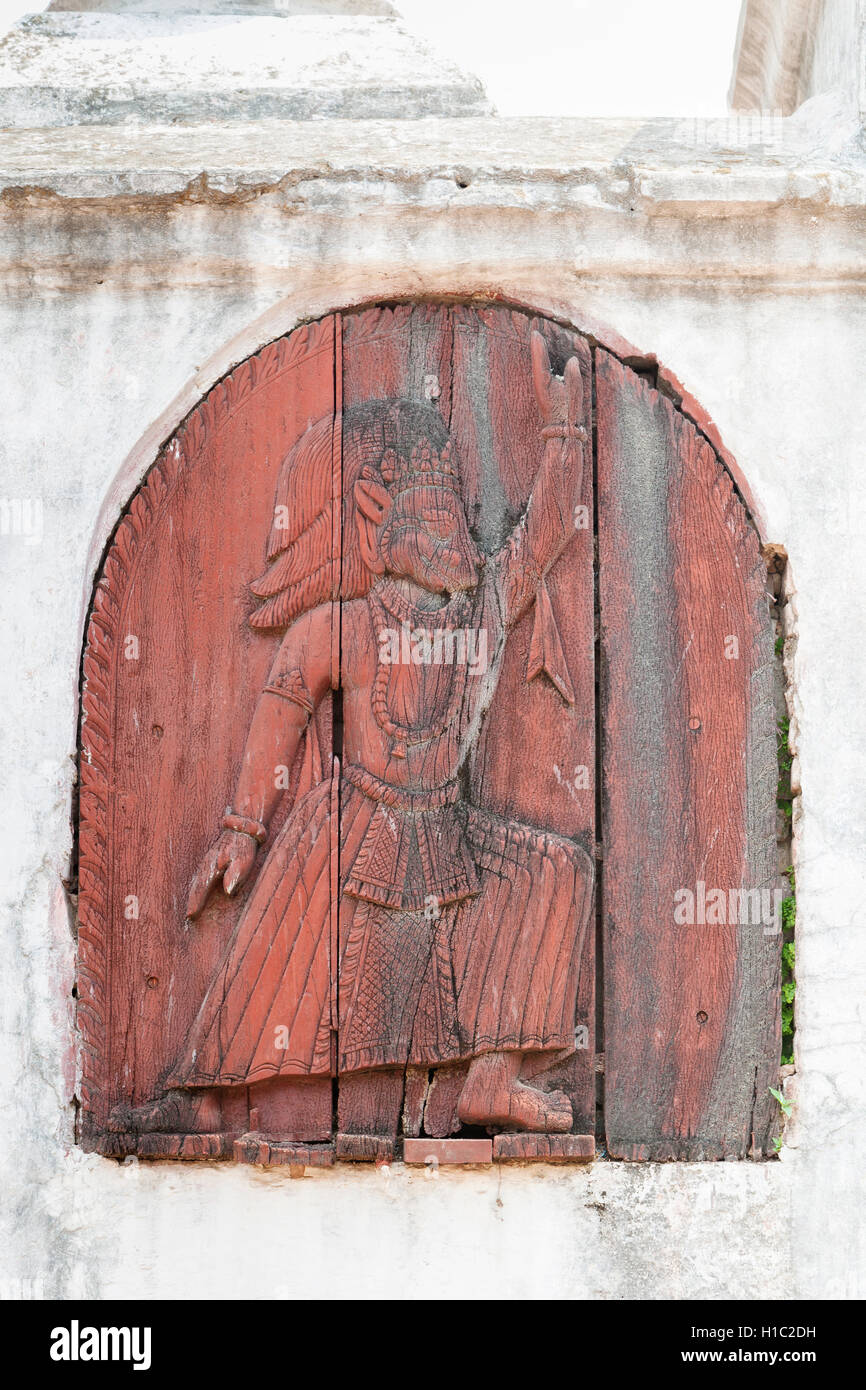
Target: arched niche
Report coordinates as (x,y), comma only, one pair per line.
(632,720)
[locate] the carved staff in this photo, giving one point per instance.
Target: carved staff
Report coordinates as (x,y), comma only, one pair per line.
(561,406)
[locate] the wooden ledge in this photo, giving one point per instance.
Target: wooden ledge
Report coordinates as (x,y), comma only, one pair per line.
(544,1148)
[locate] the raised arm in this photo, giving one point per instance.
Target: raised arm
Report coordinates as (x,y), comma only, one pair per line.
(548,524)
(299,678)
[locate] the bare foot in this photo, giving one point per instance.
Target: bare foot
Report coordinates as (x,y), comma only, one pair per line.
(175,1112)
(495,1096)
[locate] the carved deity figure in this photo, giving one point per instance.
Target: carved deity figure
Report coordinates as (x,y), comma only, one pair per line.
(458,933)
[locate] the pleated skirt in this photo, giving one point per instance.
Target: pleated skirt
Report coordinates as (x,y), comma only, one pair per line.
(495,971)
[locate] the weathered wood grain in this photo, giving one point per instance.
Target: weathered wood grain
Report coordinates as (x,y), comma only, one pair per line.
(535,760)
(172,676)
(400,353)
(691,1012)
(415,921)
(543,1148)
(365,1148)
(440,1110)
(429,1153)
(262,1150)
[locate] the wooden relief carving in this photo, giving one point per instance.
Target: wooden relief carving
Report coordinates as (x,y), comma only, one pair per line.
(338,773)
(285,892)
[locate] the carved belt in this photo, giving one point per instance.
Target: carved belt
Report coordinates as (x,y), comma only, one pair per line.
(425,829)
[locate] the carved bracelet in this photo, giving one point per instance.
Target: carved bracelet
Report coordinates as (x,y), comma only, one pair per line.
(245,826)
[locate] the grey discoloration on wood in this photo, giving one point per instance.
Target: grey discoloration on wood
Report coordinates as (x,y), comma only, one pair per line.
(753,1033)
(646,630)
(638,638)
(691,1011)
(492,504)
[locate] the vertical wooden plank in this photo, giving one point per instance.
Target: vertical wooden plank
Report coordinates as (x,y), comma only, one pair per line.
(399,352)
(535,762)
(165,717)
(336,698)
(483,388)
(691,1011)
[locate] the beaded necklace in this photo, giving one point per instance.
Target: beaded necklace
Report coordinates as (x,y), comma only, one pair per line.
(386,601)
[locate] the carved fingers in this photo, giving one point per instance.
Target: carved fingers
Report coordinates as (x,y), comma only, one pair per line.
(241,858)
(573,392)
(559,400)
(541,377)
(230,858)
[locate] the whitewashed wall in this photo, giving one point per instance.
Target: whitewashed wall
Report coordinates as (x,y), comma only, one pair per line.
(130,285)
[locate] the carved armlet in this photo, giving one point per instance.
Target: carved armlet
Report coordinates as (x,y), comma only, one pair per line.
(289,685)
(245,825)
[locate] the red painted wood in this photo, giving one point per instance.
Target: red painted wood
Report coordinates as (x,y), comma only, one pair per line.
(536,757)
(432,1152)
(400,353)
(365,1148)
(188,1148)
(425,909)
(163,730)
(299,1107)
(544,1148)
(416,922)
(477,371)
(440,1109)
(691,1012)
(264,1152)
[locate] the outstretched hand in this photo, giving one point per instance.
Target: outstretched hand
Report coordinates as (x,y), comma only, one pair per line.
(231,858)
(559,399)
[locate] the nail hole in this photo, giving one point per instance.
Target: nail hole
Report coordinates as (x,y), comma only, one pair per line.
(701,1016)
(462,180)
(152,982)
(157,731)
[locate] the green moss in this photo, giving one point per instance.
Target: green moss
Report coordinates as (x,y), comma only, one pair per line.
(785,802)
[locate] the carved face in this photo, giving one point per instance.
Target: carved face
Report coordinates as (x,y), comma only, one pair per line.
(425,537)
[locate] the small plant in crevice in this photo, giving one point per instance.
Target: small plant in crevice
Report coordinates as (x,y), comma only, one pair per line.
(785,802)
(784,797)
(786,1106)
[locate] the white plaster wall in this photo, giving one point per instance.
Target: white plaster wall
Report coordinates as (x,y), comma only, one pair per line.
(790,50)
(172,66)
(834,59)
(120,312)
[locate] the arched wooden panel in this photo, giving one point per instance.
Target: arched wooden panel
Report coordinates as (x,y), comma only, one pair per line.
(688,750)
(438,888)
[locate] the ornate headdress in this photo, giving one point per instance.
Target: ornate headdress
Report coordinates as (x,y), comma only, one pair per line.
(313,551)
(425,465)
